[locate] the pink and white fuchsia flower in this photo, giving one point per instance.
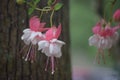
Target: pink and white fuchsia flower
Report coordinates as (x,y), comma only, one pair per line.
(51,46)
(32,35)
(104,38)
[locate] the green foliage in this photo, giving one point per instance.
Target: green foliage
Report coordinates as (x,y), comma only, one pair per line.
(58,6)
(20,1)
(50,2)
(30,10)
(32,6)
(36,2)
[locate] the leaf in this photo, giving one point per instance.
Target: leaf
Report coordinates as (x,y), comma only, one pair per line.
(36,1)
(20,2)
(50,2)
(58,6)
(30,11)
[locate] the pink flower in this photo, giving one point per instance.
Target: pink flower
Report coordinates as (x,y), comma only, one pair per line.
(34,33)
(32,36)
(104,37)
(116,15)
(51,46)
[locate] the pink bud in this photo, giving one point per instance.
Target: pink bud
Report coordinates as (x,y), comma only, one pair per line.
(116,15)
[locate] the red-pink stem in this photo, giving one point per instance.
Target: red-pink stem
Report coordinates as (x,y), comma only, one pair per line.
(46,64)
(52,61)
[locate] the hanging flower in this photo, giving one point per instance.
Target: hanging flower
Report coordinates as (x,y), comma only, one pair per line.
(104,38)
(51,46)
(116,15)
(32,36)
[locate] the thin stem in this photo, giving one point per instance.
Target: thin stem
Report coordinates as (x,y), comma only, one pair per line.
(103,57)
(51,17)
(43,9)
(27,56)
(47,64)
(111,9)
(53,66)
(41,14)
(47,8)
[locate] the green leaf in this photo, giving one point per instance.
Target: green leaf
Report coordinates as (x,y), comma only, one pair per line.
(50,2)
(36,1)
(30,11)
(20,2)
(58,6)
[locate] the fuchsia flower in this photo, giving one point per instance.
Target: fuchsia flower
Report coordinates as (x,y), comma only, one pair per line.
(104,37)
(116,15)
(33,35)
(51,46)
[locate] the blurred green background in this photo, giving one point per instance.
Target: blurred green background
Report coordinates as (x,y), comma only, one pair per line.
(83,16)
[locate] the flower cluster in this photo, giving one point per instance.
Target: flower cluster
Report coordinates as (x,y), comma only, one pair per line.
(45,38)
(104,36)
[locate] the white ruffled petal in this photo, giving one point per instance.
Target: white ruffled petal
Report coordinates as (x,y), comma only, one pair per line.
(25,38)
(105,43)
(26,30)
(27,42)
(34,41)
(57,50)
(100,42)
(42,44)
(34,34)
(93,40)
(51,48)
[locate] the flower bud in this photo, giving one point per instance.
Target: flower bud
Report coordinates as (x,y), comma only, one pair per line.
(20,2)
(116,15)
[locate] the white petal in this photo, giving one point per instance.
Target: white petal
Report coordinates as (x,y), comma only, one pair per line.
(27,42)
(57,50)
(60,42)
(105,43)
(25,36)
(40,34)
(33,35)
(53,40)
(42,44)
(93,40)
(26,30)
(57,41)
(34,41)
(46,51)
(51,48)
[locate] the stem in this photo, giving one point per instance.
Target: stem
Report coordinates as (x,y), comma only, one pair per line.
(47,8)
(47,64)
(53,66)
(42,12)
(111,9)
(103,57)
(51,17)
